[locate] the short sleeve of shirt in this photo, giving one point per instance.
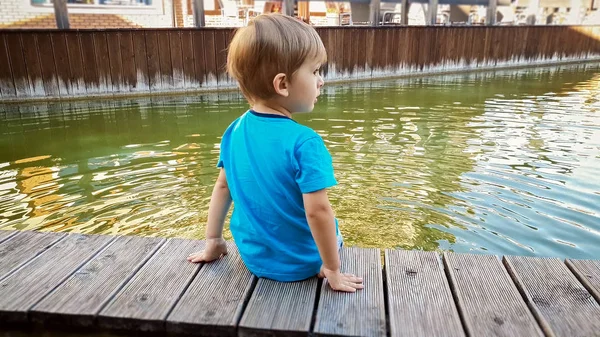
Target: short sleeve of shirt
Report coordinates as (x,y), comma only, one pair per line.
(315,167)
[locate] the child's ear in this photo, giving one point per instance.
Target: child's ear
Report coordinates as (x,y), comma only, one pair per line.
(280,83)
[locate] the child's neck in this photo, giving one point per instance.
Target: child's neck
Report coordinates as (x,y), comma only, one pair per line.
(270,108)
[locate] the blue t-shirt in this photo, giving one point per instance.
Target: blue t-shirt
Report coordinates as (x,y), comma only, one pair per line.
(269,162)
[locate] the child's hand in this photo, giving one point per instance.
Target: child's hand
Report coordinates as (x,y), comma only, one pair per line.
(214,249)
(341,282)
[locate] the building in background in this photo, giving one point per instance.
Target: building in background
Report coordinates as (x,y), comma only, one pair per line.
(234,13)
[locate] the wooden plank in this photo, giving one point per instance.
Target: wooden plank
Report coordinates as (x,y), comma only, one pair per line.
(47,64)
(113,41)
(176,59)
(340,64)
(211,69)
(562,306)
(144,303)
(103,62)
(7,84)
(129,71)
(215,299)
(32,62)
(338,313)
(31,283)
(419,298)
(153,60)
(200,63)
(84,294)
(164,56)
(91,77)
(23,248)
(280,308)
(18,66)
(63,67)
(221,56)
(588,273)
(141,62)
(361,46)
(331,54)
(77,82)
(488,300)
(5,235)
(187,53)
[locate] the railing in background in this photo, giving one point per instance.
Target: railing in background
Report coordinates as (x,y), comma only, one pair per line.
(67,64)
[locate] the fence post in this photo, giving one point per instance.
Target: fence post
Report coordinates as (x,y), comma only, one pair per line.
(374,9)
(432,12)
(199,19)
(491,13)
(288,7)
(61,14)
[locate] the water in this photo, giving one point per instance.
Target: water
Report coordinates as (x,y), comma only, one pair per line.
(500,162)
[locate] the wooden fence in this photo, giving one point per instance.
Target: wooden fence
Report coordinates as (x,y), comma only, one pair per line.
(84,63)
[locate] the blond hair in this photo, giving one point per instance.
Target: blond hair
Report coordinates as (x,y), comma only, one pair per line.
(269,45)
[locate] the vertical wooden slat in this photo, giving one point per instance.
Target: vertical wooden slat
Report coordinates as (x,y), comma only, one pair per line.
(187,51)
(164,55)
(63,66)
(210,58)
(200,62)
(340,53)
(103,62)
(221,56)
(129,71)
(47,64)
(113,40)
(361,47)
(76,66)
(324,38)
(177,60)
(331,53)
(142,69)
(154,78)
(369,51)
(18,66)
(91,75)
(7,85)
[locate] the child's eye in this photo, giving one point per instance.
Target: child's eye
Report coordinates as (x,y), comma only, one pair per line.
(316,71)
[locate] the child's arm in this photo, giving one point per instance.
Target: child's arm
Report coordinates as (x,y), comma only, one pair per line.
(322,225)
(220,201)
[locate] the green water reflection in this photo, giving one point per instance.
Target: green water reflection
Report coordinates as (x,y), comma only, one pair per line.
(501,162)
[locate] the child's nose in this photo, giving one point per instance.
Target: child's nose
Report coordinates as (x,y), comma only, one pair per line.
(320,82)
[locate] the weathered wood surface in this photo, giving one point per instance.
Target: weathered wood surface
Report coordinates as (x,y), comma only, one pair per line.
(588,273)
(134,283)
(561,304)
(24,247)
(28,285)
(115,61)
(489,301)
(215,299)
(5,235)
(84,294)
(280,309)
(144,303)
(358,314)
(419,298)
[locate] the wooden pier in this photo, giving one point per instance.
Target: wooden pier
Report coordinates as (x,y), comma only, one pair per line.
(131,283)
